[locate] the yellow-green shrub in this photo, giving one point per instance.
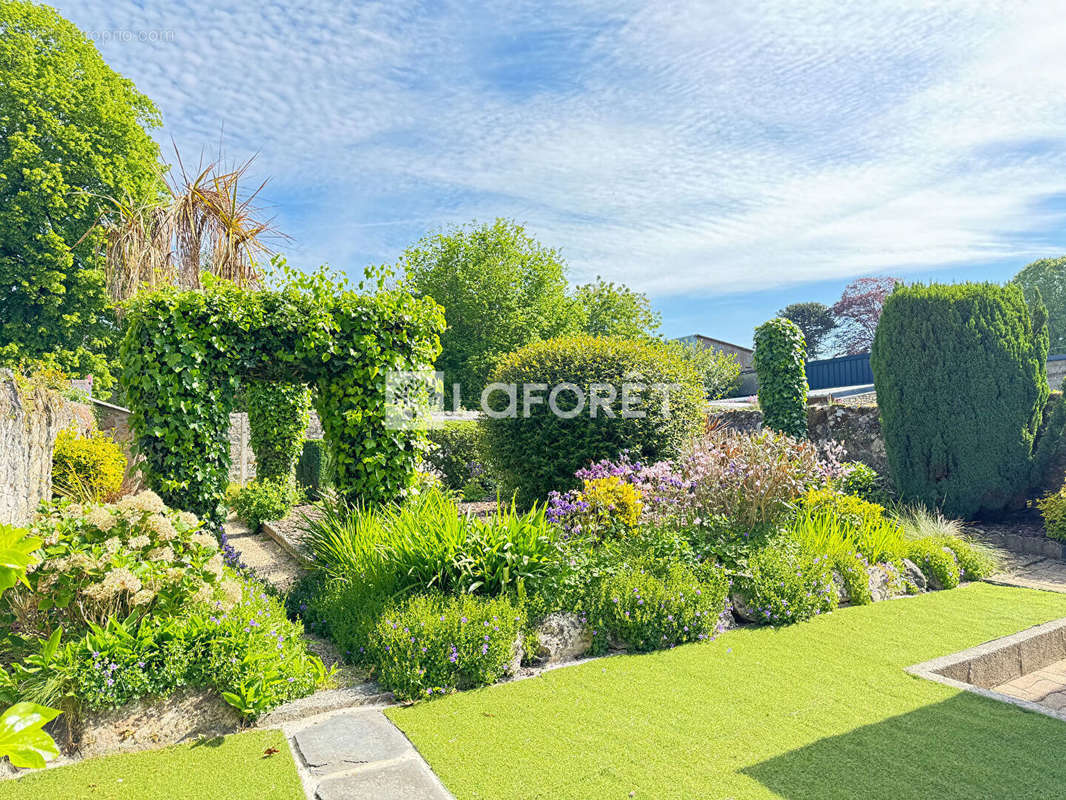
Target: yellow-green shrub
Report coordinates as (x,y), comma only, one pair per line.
(1053,509)
(91,466)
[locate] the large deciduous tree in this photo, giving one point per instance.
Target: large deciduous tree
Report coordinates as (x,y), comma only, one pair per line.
(500,289)
(72,133)
(1046,278)
(613,309)
(858,311)
(815,321)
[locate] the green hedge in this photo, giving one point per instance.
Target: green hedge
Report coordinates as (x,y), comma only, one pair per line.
(780,363)
(537,454)
(961,380)
(314,471)
(278,414)
(186,353)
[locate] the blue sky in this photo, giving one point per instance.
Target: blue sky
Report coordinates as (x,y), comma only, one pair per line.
(726,158)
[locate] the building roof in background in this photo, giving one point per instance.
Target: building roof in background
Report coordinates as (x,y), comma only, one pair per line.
(708,340)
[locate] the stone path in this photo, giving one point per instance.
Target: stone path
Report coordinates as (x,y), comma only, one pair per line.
(1031,572)
(264,555)
(360,755)
(1046,686)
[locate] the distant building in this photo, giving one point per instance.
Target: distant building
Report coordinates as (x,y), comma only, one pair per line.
(745,355)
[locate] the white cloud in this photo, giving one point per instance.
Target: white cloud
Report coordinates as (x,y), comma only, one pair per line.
(676,145)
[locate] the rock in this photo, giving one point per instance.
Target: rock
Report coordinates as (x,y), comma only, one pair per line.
(726,620)
(882,579)
(742,609)
(843,595)
(150,723)
(515,663)
(562,636)
(913,575)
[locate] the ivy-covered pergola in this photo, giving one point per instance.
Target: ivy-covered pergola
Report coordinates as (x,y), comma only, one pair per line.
(186,354)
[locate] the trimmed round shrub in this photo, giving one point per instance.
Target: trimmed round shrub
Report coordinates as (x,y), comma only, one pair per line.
(780,363)
(643,609)
(961,378)
(432,645)
(278,414)
(90,466)
(785,583)
(657,407)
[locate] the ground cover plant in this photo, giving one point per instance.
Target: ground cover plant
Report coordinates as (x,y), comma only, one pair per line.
(819,711)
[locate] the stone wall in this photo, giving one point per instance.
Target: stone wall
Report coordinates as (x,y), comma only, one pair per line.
(28,426)
(857,428)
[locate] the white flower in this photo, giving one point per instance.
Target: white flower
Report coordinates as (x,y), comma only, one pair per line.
(205,540)
(121,579)
(214,565)
(139,542)
(202,595)
(231,594)
(100,518)
(113,545)
(162,554)
(163,528)
(143,597)
(188,519)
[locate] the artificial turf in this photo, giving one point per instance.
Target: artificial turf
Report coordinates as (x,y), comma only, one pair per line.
(237,767)
(814,711)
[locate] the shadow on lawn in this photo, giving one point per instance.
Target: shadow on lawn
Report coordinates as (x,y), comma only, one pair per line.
(965,747)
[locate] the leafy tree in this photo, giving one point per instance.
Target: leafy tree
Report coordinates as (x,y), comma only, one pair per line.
(815,320)
(72,133)
(613,309)
(858,311)
(500,289)
(780,362)
(718,368)
(1046,278)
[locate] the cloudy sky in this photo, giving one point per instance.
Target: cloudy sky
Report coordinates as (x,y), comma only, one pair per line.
(726,158)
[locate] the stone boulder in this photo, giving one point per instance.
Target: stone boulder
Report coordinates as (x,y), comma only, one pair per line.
(743,609)
(913,574)
(562,636)
(884,581)
(843,595)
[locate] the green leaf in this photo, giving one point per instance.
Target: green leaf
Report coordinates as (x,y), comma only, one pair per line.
(22,739)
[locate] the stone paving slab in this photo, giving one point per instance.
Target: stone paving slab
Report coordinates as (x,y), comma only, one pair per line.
(409,779)
(344,741)
(1047,574)
(264,555)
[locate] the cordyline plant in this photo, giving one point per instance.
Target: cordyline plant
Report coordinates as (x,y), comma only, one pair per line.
(205,221)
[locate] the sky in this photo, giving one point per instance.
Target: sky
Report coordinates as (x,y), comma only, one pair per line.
(726,158)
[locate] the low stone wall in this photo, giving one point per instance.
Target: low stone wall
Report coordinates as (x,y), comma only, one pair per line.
(28,426)
(857,428)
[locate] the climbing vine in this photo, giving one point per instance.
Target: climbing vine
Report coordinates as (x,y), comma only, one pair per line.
(278,414)
(186,354)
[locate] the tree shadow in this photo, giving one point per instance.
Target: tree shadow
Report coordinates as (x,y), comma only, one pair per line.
(965,747)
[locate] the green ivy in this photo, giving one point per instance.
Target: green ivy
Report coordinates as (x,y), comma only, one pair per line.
(186,353)
(780,362)
(278,414)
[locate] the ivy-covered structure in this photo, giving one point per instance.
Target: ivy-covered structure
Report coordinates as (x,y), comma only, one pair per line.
(186,354)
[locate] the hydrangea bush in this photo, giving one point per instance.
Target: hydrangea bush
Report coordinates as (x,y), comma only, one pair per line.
(134,556)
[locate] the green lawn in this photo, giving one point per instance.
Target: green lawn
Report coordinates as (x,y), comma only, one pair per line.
(814,711)
(234,768)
